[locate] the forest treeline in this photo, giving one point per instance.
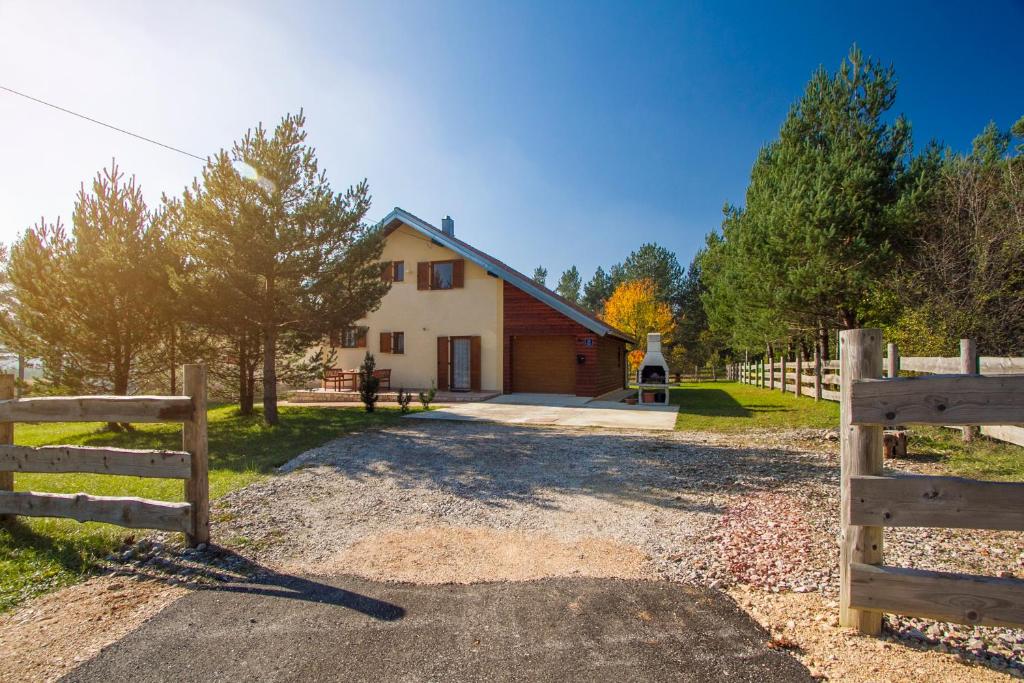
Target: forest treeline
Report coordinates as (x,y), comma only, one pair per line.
(844,224)
(246,270)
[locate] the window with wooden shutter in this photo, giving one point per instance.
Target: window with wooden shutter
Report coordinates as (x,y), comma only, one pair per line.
(474,363)
(459,273)
(361,337)
(442,363)
(398,342)
(398,271)
(387,271)
(423,275)
(385,342)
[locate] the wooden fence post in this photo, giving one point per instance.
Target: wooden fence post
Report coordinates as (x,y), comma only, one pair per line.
(969,366)
(860,354)
(6,437)
(799,390)
(783,371)
(817,373)
(892,361)
(197,487)
(771,369)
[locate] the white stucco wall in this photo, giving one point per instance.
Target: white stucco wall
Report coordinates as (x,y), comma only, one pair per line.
(425,315)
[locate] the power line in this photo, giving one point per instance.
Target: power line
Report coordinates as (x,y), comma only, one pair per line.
(101,123)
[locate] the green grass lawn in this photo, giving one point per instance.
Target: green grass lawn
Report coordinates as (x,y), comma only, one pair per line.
(731,407)
(39,554)
(734,407)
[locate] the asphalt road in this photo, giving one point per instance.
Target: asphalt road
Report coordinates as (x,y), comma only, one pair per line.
(293,629)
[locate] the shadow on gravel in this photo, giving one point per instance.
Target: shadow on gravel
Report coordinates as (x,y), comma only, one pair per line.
(504,464)
(218,569)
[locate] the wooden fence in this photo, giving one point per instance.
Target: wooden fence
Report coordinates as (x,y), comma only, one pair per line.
(698,374)
(190,464)
(871,501)
(820,379)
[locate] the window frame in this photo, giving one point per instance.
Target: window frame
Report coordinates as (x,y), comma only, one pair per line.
(358,339)
(396,347)
(398,271)
(451,278)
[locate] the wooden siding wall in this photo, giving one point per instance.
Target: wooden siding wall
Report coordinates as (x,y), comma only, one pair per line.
(611,359)
(525,315)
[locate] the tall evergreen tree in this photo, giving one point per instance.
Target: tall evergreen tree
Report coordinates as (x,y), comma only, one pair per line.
(540,276)
(656,263)
(569,285)
(93,303)
(597,291)
(277,252)
(827,202)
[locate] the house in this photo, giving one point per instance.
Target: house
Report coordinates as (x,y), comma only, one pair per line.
(462,320)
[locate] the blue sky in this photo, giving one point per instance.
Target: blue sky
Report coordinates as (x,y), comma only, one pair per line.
(554,133)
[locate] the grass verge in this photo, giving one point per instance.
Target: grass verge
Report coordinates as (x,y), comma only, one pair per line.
(40,554)
(731,407)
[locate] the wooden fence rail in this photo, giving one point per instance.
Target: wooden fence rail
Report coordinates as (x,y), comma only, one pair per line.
(821,380)
(189,464)
(871,501)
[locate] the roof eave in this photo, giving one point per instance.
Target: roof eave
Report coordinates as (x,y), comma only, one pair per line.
(516,279)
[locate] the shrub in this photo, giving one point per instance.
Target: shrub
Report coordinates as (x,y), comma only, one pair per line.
(404,398)
(368,383)
(426,397)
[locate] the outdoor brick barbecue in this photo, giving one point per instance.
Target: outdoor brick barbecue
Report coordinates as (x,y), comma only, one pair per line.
(652,376)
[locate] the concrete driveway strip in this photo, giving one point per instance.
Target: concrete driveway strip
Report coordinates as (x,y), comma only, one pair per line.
(594,414)
(348,629)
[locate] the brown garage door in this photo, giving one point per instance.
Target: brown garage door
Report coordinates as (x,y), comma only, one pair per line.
(544,365)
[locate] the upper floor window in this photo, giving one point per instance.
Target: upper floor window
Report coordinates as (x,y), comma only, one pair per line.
(442,275)
(392,271)
(350,338)
(450,274)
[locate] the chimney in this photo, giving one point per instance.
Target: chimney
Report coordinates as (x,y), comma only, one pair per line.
(448,226)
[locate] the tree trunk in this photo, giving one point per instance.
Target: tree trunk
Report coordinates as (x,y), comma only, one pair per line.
(120,389)
(270,375)
(245,378)
(849,320)
(823,341)
(174,360)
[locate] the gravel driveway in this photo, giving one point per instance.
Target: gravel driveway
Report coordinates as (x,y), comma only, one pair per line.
(381,504)
(455,502)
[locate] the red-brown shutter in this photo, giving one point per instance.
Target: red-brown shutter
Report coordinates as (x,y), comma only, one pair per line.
(361,339)
(385,342)
(423,275)
(459,273)
(474,363)
(442,363)
(387,271)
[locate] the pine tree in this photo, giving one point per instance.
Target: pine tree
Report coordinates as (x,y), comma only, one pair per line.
(540,276)
(569,285)
(93,303)
(277,252)
(657,264)
(597,291)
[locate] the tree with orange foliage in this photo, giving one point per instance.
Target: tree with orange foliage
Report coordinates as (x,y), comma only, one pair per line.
(634,307)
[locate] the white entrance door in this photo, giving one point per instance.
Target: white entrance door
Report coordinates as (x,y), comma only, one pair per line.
(460,364)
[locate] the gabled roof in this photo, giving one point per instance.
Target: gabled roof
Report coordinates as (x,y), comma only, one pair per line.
(498,269)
